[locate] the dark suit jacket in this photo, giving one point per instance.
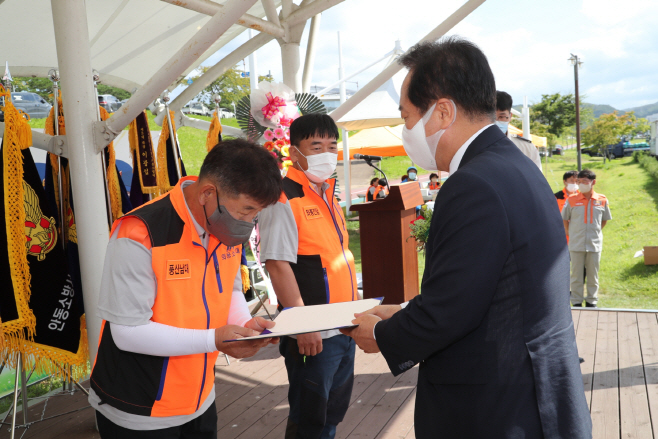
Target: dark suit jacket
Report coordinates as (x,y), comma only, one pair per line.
(492,328)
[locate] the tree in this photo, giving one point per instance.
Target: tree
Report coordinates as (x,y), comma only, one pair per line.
(556,111)
(118,93)
(230,86)
(609,128)
(41,86)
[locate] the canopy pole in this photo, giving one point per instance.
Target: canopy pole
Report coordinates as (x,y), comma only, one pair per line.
(74,59)
(391,70)
(525,123)
(253,67)
(290,63)
(347,169)
(310,53)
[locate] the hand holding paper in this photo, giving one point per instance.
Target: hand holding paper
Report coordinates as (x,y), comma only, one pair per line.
(363,334)
(316,318)
(384,312)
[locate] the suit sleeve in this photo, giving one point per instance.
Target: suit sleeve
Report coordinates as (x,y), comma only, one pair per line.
(469,245)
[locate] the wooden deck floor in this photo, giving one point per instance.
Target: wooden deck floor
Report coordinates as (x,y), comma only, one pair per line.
(620,376)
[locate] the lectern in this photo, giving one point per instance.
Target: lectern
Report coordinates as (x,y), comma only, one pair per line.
(389,260)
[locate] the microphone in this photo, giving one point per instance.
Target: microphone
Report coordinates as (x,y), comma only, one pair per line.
(367,157)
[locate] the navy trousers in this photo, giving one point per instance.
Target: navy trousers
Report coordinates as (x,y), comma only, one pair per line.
(320,387)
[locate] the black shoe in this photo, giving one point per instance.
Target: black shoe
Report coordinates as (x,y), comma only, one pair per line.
(590,305)
(577,305)
(581,359)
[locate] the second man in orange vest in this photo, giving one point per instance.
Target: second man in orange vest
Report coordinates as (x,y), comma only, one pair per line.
(304,242)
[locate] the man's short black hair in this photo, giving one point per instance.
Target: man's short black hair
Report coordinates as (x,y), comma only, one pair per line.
(382,182)
(374,180)
(452,68)
(569,174)
(310,125)
(586,173)
(503,101)
(239,166)
(432,175)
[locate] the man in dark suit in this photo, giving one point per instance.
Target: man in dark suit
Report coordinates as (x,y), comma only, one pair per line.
(492,328)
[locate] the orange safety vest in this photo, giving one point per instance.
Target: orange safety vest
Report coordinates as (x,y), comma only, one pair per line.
(378,190)
(194,289)
(433,186)
(324,271)
(578,199)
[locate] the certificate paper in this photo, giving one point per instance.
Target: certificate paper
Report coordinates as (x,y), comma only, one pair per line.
(316,318)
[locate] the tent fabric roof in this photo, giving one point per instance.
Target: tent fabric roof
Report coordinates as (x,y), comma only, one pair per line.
(379,109)
(129,40)
(380,141)
(536,140)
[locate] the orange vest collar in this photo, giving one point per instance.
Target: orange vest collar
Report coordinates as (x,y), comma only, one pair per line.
(300,177)
(178,201)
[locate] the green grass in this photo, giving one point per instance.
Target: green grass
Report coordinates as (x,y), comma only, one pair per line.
(625,282)
(396,167)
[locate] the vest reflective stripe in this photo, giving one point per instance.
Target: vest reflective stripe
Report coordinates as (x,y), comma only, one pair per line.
(325,269)
(194,289)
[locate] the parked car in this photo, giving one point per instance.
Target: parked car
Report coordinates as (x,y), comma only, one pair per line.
(109,102)
(225,114)
(31,103)
(558,150)
(196,108)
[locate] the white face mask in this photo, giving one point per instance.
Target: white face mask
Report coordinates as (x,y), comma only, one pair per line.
(502,125)
(584,188)
(572,187)
(420,148)
(320,166)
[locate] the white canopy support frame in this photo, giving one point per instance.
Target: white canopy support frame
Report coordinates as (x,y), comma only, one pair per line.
(392,69)
(80,107)
(52,144)
(176,65)
(247,20)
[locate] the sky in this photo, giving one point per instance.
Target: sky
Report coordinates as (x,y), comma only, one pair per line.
(527,43)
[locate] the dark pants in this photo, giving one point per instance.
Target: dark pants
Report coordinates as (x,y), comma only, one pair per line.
(202,427)
(320,387)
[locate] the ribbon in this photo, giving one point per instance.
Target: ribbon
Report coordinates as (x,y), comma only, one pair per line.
(272,108)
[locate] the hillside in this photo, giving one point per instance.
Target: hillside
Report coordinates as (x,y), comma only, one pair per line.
(599,109)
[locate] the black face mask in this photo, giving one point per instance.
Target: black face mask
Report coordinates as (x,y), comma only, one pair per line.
(227,229)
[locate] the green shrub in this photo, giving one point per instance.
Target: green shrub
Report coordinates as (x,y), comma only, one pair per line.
(650,164)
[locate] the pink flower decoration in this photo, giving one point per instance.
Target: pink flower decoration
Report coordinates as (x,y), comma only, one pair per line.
(287,133)
(278,133)
(272,108)
(269,135)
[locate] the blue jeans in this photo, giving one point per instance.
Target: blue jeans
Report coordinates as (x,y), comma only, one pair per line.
(320,387)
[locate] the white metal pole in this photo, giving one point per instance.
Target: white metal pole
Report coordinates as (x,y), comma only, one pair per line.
(253,68)
(218,69)
(347,169)
(181,60)
(310,53)
(525,123)
(74,59)
(290,65)
(345,79)
(391,70)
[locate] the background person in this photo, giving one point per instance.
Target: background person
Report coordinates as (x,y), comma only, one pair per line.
(381,191)
(570,180)
(304,242)
(504,117)
(435,182)
(490,329)
(371,190)
(171,293)
(585,214)
(404,178)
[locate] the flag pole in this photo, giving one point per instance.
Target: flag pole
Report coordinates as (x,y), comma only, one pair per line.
(96,78)
(53,75)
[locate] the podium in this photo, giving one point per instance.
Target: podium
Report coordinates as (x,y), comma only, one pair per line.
(389,260)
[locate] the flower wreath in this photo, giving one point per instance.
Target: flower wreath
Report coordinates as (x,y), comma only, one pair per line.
(267,114)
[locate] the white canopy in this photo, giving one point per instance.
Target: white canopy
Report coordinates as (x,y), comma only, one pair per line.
(379,109)
(130,40)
